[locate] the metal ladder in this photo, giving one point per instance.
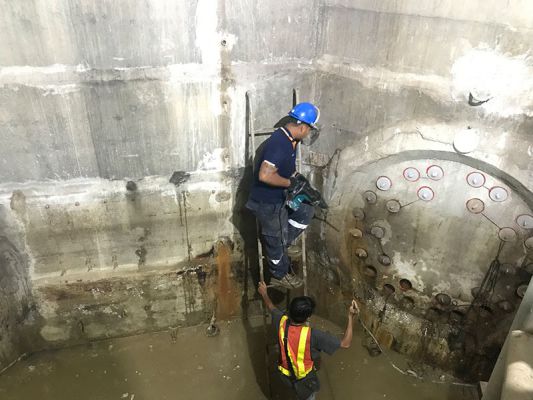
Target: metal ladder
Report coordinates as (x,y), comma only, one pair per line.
(252,133)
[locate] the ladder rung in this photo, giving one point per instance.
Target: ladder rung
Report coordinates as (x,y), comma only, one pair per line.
(268,131)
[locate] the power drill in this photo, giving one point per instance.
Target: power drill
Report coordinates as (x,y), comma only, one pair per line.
(300,191)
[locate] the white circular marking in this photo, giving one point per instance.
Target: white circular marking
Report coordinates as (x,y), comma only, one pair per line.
(475,179)
(425,193)
(497,193)
(525,221)
(383,183)
(466,141)
(435,172)
(411,174)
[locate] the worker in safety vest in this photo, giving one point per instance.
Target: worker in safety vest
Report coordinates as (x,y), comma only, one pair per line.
(300,345)
(281,199)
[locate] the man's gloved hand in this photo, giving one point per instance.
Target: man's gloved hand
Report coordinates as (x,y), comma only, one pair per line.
(301,188)
(298,181)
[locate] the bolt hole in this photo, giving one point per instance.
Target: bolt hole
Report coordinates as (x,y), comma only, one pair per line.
(370,197)
(361,253)
(405,284)
(388,289)
(356,233)
(223,42)
(377,231)
(521,290)
(384,260)
(358,213)
(443,299)
(370,271)
(131,186)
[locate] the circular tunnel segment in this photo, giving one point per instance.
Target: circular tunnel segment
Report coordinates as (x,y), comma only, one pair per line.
(439,252)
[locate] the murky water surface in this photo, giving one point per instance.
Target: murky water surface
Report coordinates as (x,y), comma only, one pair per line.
(189,365)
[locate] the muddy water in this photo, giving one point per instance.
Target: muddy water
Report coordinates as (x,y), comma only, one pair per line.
(185,364)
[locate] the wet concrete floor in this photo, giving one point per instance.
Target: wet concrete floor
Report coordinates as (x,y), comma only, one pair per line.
(186,364)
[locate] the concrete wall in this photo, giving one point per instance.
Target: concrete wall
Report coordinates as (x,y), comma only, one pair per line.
(423,63)
(110,90)
(98,94)
(102,93)
(394,82)
(15,293)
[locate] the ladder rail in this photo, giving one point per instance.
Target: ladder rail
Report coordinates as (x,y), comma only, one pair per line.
(295,100)
(252,133)
(251,150)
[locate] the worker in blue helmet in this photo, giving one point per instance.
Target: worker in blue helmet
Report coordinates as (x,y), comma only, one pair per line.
(306,113)
(281,199)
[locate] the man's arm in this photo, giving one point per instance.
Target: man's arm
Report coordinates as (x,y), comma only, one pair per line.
(347,339)
(262,289)
(268,173)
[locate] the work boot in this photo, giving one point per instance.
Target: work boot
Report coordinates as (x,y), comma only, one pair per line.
(289,281)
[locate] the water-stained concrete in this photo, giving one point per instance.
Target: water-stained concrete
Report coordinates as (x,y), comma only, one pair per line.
(187,364)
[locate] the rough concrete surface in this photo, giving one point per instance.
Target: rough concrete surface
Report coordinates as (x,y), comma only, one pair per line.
(101,103)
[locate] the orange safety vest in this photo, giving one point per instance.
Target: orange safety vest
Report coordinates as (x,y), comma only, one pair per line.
(299,342)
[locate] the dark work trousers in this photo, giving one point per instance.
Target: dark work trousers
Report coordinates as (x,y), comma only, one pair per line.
(280,226)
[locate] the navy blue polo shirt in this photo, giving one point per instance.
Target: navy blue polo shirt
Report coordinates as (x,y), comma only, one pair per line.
(279,151)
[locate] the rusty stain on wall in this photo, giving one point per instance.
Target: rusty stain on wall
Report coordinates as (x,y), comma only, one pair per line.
(227,292)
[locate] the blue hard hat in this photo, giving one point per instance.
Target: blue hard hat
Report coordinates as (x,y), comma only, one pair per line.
(307,113)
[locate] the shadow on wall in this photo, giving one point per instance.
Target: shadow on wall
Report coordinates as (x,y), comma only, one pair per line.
(15,305)
(243,220)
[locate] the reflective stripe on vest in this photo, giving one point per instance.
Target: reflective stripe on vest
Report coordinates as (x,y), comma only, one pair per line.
(301,361)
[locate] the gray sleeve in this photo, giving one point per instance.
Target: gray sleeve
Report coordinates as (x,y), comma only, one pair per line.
(276,318)
(324,341)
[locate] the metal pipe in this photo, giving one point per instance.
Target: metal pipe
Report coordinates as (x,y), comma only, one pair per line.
(251,133)
(295,100)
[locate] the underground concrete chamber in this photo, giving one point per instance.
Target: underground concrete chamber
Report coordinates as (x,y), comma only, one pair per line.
(445,292)
(124,167)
